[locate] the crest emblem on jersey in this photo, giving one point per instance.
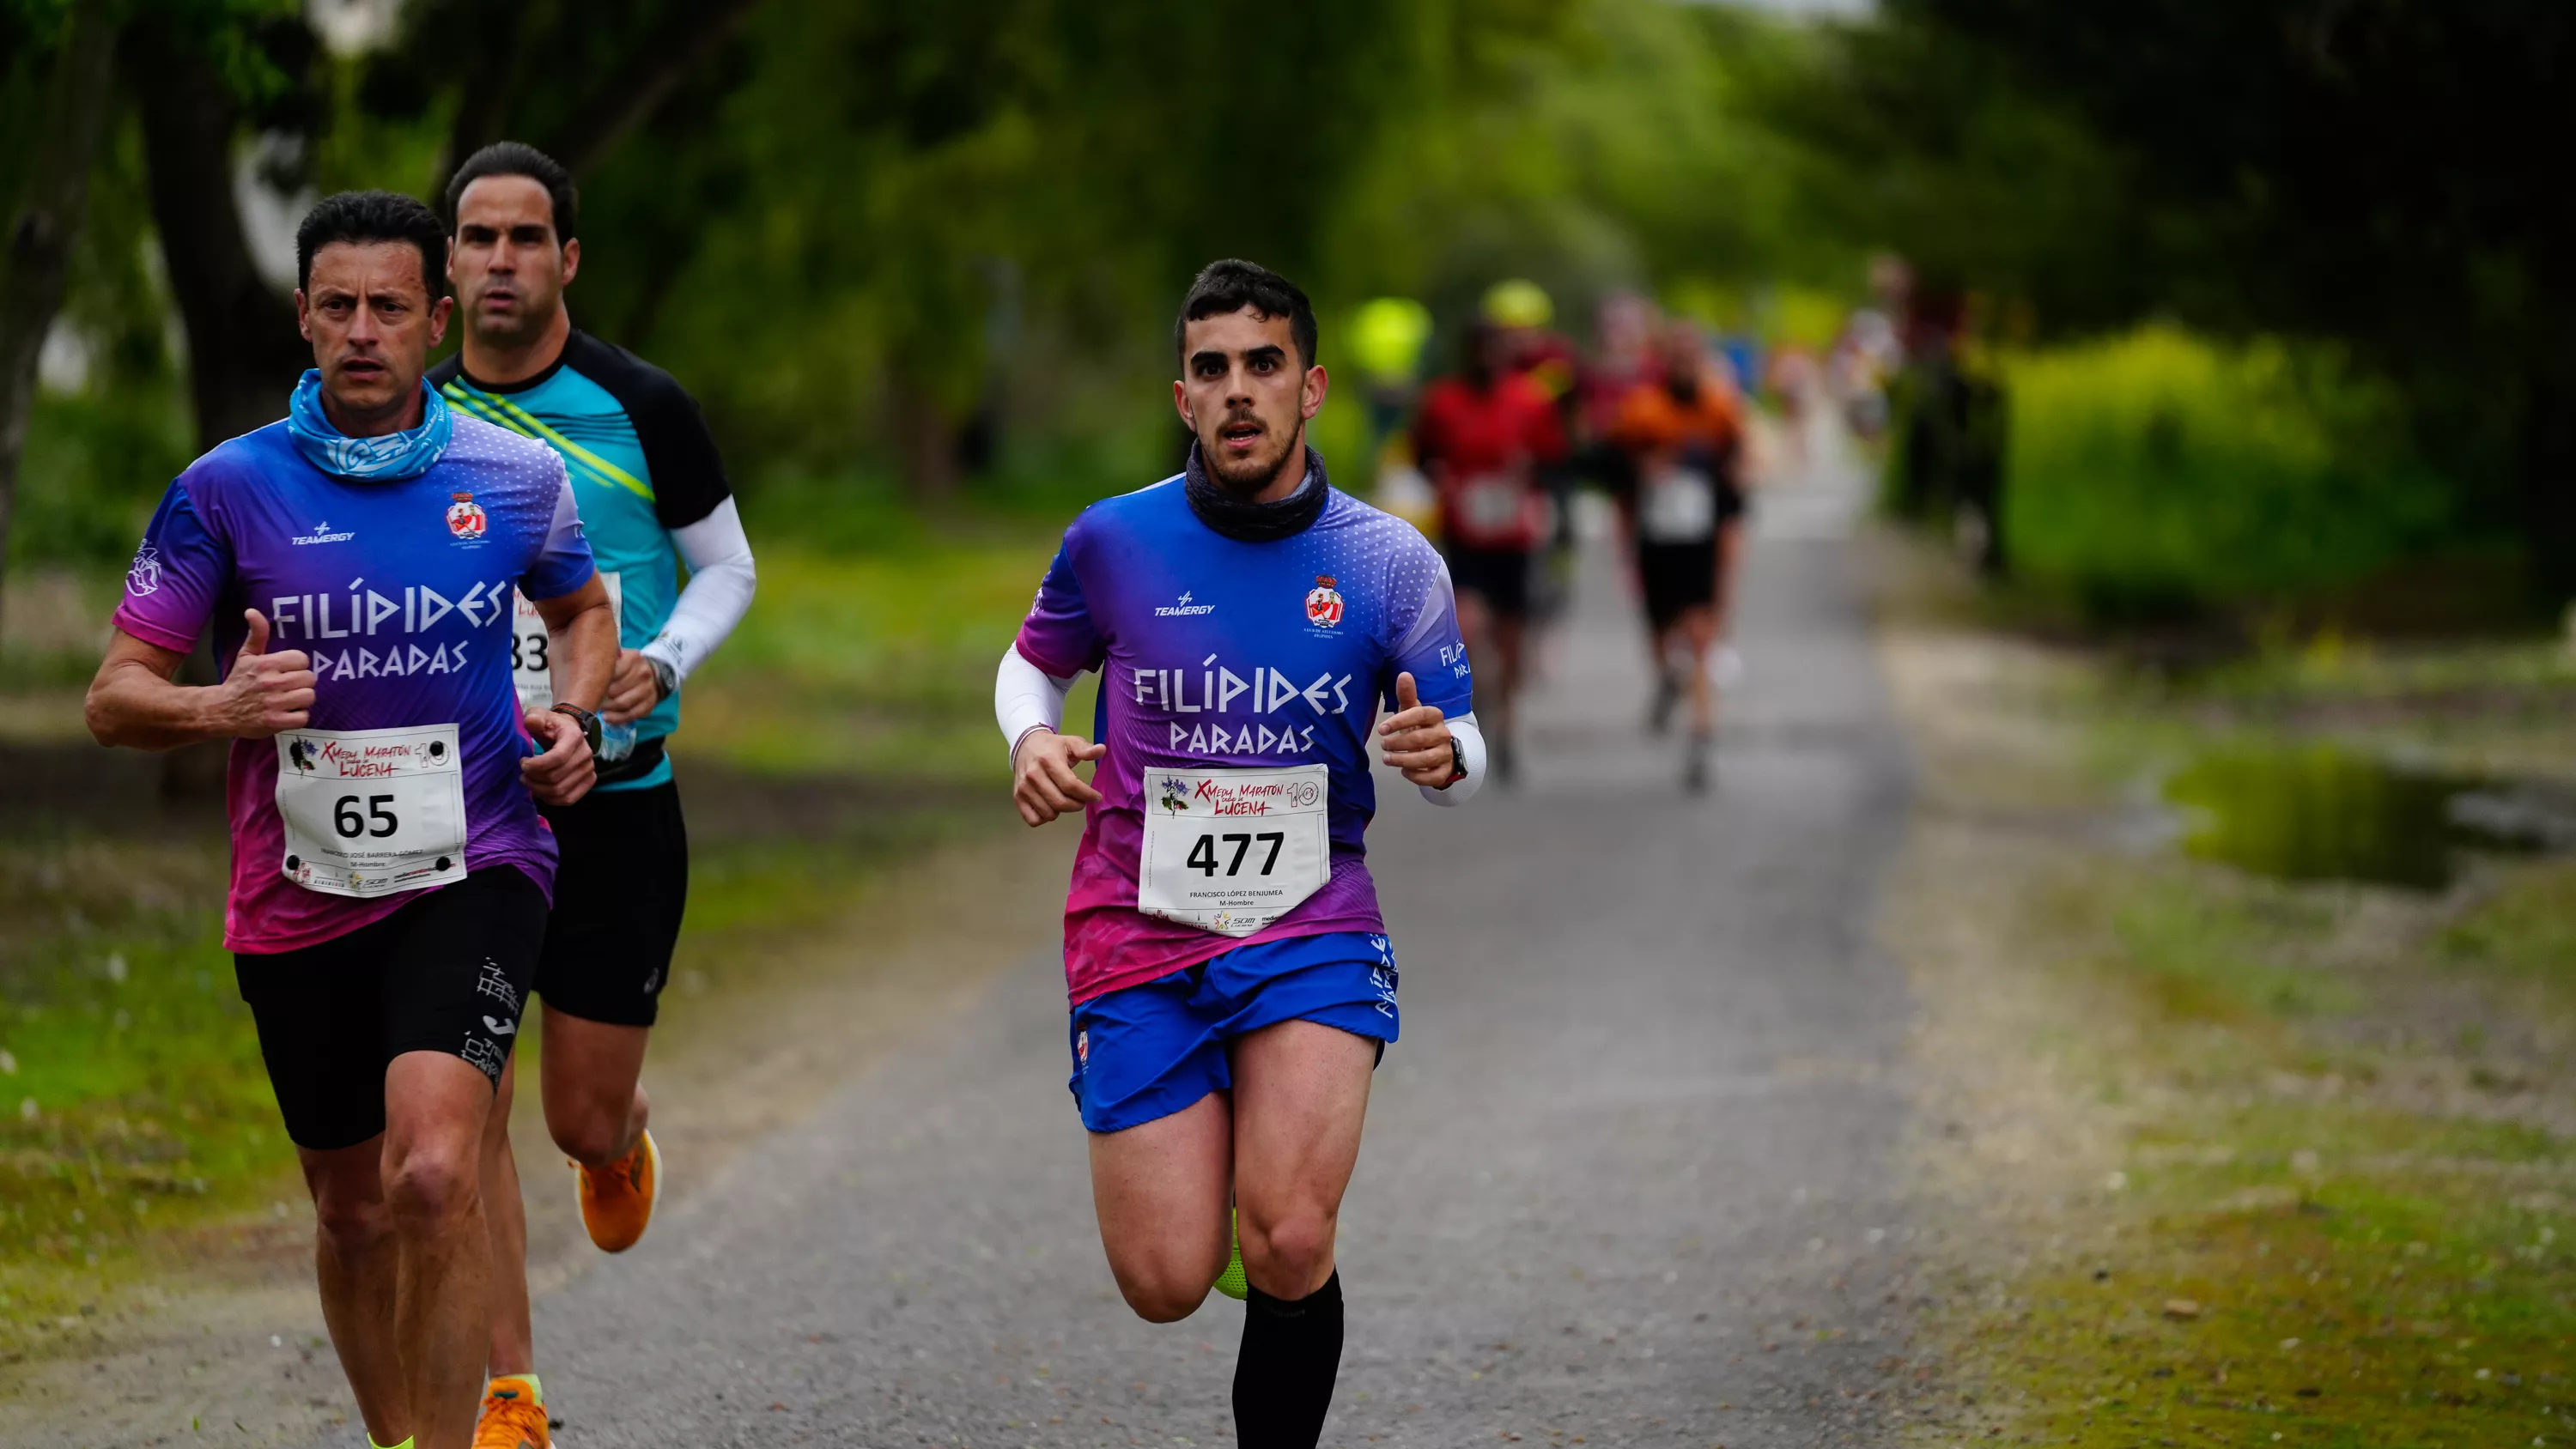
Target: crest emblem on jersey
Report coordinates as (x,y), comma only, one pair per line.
(1324,603)
(145,575)
(465,518)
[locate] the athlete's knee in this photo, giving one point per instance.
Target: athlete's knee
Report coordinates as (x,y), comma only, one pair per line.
(594,1132)
(1165,1301)
(1288,1248)
(430,1185)
(350,1219)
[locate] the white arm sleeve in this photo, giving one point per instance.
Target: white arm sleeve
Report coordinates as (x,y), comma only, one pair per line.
(721,581)
(1026,697)
(1471,747)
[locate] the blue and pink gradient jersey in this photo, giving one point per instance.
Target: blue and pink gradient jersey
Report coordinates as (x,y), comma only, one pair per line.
(1218,653)
(400,591)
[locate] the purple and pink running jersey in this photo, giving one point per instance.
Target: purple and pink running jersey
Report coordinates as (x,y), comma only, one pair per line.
(1216,653)
(400,592)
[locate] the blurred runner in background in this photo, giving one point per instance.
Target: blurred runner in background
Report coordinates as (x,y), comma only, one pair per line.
(1483,436)
(389,874)
(1684,438)
(1387,337)
(1548,361)
(1232,985)
(652,495)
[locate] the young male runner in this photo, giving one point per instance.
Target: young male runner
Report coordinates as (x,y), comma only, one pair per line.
(1483,436)
(1231,981)
(652,494)
(1684,505)
(389,870)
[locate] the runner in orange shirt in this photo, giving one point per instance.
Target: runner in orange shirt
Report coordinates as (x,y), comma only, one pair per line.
(1684,506)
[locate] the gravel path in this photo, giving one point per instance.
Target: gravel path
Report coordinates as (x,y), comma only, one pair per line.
(1629,1179)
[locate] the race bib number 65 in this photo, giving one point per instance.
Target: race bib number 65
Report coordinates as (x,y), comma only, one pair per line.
(371,812)
(1231,851)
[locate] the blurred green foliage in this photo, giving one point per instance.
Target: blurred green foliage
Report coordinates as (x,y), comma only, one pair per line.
(2156,471)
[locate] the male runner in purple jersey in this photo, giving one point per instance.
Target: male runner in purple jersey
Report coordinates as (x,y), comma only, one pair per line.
(390,872)
(1231,980)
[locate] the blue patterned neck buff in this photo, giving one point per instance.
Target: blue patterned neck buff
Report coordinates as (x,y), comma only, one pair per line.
(389,458)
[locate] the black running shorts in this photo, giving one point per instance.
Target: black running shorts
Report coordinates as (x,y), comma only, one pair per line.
(619,895)
(447,973)
(1499,576)
(1676,576)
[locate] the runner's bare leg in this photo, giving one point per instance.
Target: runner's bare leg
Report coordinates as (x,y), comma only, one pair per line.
(1300,1097)
(435,1108)
(505,1214)
(356,1257)
(595,1102)
(1160,1191)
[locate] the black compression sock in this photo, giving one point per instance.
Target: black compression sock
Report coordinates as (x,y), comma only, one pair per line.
(1283,1377)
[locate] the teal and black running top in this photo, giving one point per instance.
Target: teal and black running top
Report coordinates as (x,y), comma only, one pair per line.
(643,467)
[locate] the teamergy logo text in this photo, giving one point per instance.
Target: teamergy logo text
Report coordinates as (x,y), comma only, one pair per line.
(365,613)
(1220,689)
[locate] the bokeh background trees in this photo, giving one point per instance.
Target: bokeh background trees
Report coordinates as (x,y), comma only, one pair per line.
(925,252)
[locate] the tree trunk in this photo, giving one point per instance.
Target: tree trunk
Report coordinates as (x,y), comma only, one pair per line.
(40,238)
(244,353)
(925,439)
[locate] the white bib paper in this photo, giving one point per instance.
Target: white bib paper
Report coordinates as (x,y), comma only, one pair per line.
(1231,851)
(1680,506)
(531,647)
(372,812)
(1493,506)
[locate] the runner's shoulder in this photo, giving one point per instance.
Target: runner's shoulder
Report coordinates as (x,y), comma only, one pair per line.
(1121,515)
(519,457)
(637,384)
(248,460)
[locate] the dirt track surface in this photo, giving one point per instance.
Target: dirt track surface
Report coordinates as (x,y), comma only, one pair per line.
(1630,1176)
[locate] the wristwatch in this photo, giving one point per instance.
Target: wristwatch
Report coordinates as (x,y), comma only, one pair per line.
(588,721)
(1457,764)
(665,678)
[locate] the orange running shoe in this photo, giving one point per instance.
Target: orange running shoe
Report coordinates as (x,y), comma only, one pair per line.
(617,1200)
(512,1418)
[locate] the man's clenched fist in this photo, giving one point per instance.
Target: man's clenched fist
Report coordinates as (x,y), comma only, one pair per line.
(265,693)
(1043,783)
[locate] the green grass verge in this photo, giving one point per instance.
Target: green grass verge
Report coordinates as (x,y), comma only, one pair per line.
(2342,1207)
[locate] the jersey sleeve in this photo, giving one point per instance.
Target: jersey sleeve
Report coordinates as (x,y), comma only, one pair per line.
(179,572)
(1426,642)
(688,474)
(1059,635)
(563,561)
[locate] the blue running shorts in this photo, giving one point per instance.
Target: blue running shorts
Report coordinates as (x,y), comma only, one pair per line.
(1149,1050)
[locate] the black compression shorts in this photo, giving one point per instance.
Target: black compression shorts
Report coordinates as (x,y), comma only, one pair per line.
(1676,576)
(619,895)
(446,973)
(1499,576)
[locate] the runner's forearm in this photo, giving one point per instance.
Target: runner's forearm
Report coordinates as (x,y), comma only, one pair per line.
(585,635)
(722,580)
(1026,697)
(134,704)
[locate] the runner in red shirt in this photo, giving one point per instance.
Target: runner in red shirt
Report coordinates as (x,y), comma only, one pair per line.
(1482,437)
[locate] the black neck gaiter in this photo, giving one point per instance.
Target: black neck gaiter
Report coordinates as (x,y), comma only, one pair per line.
(1227,512)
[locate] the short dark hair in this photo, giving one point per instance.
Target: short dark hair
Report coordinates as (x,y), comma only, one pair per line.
(1231,286)
(517,158)
(361,217)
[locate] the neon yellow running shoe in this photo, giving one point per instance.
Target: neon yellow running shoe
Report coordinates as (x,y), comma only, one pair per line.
(1230,1282)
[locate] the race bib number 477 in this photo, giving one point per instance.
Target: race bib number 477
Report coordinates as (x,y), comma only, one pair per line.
(1231,851)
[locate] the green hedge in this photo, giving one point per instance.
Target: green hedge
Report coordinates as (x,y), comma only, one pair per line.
(2158,470)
